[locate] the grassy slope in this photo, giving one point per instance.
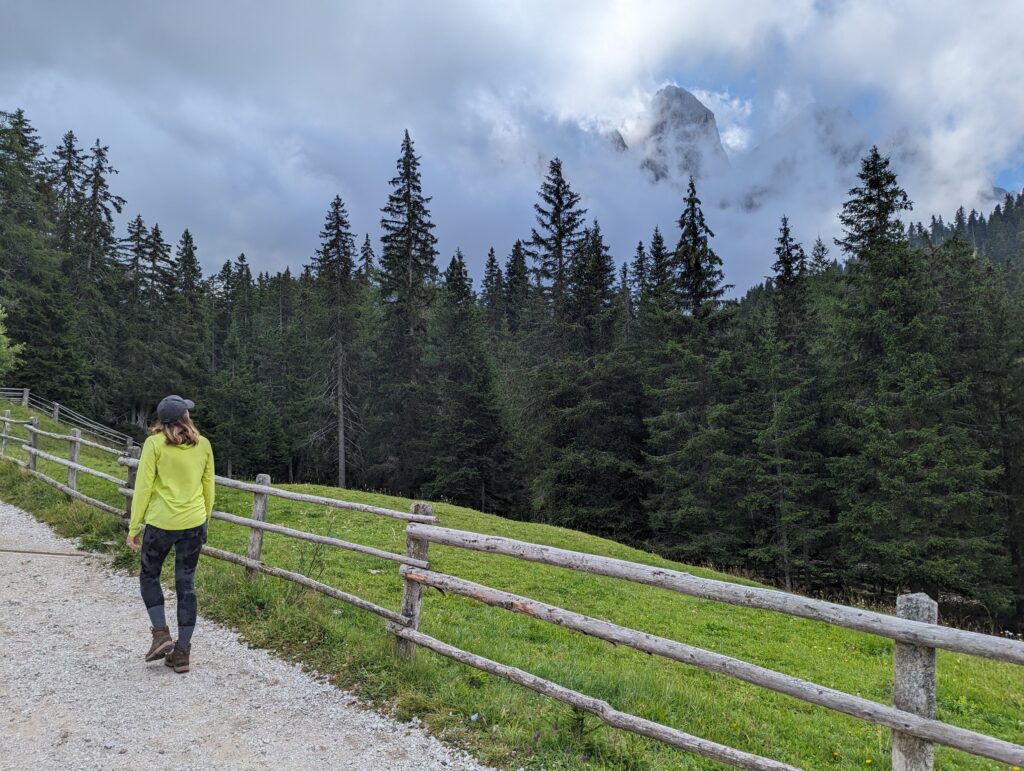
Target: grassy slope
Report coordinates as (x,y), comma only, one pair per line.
(515,727)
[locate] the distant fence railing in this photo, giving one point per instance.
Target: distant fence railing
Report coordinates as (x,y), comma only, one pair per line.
(911,719)
(62,414)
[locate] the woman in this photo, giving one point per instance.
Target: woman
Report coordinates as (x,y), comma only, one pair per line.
(174,498)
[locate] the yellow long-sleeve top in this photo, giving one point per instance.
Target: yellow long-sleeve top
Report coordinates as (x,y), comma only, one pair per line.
(173,485)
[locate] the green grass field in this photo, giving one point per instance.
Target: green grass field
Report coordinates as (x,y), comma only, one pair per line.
(514,727)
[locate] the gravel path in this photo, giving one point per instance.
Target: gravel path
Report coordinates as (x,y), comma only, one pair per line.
(76,693)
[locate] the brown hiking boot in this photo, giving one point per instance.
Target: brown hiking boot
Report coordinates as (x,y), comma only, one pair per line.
(177,658)
(162,643)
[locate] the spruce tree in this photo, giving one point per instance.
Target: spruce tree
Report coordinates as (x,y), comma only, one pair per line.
(407,275)
(517,286)
(778,416)
(34,290)
(909,477)
(97,242)
(592,293)
(641,275)
(790,261)
(591,422)
(193,314)
(467,453)
(560,222)
(67,173)
(870,217)
(332,268)
(819,261)
(685,383)
(367,261)
(492,298)
(700,276)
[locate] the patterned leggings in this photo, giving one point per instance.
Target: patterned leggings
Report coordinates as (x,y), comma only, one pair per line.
(156,545)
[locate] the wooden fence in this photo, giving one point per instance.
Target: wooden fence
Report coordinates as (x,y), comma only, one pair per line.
(911,719)
(62,414)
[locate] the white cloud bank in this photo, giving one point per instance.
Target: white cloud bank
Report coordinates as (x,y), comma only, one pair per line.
(242,120)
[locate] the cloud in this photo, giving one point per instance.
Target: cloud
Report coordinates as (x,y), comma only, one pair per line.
(242,120)
(733,114)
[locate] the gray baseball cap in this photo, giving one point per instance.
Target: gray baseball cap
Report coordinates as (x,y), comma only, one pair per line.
(172,408)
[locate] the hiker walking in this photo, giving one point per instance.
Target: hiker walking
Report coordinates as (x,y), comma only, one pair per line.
(173,498)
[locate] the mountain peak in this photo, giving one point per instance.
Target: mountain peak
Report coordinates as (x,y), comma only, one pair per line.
(682,137)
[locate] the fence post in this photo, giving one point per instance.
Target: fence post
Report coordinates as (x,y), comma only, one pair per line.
(3,436)
(259,512)
(913,687)
(128,445)
(56,411)
(133,471)
(73,451)
(412,592)
(24,397)
(33,441)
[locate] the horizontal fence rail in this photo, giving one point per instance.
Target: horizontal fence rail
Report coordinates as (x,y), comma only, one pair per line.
(912,721)
(302,535)
(602,709)
(298,578)
(62,414)
(71,438)
(76,466)
(72,492)
(865,709)
(884,625)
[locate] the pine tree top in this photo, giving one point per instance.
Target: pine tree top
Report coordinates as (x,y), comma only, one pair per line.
(790,259)
(870,218)
(700,274)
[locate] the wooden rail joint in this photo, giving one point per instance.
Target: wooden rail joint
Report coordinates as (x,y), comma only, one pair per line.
(412,592)
(259,514)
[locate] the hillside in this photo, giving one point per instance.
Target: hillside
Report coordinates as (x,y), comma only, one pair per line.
(501,722)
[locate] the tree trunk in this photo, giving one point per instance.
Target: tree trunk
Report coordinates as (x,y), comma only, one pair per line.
(781,498)
(340,387)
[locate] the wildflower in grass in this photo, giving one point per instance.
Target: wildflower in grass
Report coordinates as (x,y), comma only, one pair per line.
(536,736)
(868,762)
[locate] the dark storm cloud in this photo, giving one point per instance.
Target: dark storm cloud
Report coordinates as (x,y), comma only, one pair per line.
(242,120)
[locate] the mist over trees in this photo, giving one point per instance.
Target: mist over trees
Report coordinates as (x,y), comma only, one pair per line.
(854,423)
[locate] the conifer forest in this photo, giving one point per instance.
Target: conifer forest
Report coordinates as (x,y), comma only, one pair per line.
(852,426)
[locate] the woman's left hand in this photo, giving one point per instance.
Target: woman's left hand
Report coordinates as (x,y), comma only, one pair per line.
(133,542)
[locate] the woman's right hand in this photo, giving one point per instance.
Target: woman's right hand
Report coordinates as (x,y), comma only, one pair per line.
(133,542)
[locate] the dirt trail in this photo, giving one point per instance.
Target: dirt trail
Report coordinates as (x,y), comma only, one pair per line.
(76,693)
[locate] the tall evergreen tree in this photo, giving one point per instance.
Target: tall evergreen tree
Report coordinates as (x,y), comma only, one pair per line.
(407,275)
(683,441)
(367,261)
(333,266)
(517,286)
(67,174)
(493,296)
(591,428)
(467,457)
(43,314)
(909,478)
(560,222)
(870,217)
(97,242)
(641,275)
